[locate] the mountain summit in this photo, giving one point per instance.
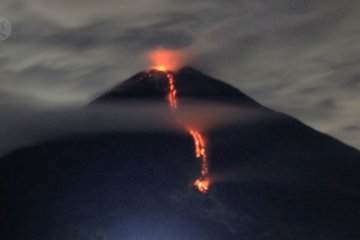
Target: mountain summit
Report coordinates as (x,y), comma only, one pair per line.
(274,178)
(190,84)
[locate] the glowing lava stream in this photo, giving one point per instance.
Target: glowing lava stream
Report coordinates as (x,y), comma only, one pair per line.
(203,182)
(172,91)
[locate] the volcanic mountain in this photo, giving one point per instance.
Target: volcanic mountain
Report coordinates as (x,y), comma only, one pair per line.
(272,178)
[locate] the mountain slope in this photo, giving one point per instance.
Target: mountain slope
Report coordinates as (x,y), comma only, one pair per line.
(274,177)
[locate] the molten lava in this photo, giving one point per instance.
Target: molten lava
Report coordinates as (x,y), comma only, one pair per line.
(203,182)
(172,91)
(200,150)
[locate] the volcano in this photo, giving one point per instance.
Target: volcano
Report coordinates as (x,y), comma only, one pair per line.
(272,178)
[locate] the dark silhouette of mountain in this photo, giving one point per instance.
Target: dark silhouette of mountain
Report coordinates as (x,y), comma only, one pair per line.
(275,178)
(190,84)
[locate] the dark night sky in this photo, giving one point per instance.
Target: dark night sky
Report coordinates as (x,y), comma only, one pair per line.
(300,57)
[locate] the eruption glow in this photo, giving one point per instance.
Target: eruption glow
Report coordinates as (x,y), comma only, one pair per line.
(165,61)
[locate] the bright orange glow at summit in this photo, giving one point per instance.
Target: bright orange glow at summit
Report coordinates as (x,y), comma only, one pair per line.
(161,68)
(167,59)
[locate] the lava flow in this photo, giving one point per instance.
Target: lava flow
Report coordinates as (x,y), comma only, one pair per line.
(203,182)
(172,91)
(167,61)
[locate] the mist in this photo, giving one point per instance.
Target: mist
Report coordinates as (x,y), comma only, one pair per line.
(31,124)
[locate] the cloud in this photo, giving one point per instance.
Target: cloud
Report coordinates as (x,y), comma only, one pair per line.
(27,122)
(300,57)
(32,124)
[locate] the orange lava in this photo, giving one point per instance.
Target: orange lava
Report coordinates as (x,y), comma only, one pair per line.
(200,150)
(172,91)
(203,182)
